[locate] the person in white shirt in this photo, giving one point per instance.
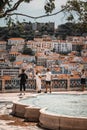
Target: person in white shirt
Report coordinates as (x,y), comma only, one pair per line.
(38,82)
(48,80)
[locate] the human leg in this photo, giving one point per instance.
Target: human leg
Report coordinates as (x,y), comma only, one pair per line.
(83,87)
(83,83)
(50,88)
(20,89)
(24,88)
(39,86)
(46,87)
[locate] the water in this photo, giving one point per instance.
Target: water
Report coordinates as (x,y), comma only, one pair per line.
(61,104)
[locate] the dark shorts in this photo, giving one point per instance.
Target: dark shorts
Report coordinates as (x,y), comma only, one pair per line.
(48,82)
(83,81)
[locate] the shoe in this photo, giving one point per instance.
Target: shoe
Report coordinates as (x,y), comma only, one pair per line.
(39,91)
(45,92)
(20,94)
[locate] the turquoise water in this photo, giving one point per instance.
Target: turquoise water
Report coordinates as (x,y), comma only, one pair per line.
(61,104)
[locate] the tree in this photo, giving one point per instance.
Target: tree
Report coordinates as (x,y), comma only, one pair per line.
(27,51)
(12,59)
(76,9)
(73,9)
(8,6)
(79,49)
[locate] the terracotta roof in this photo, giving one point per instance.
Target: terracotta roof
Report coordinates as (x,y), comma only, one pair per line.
(30,42)
(14,52)
(18,62)
(84,59)
(2,42)
(40,55)
(17,38)
(38,39)
(6,77)
(77,43)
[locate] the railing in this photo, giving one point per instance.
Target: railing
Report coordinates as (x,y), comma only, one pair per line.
(62,84)
(75,83)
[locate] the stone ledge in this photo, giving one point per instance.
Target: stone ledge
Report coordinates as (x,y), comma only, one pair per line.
(32,113)
(55,122)
(18,109)
(27,112)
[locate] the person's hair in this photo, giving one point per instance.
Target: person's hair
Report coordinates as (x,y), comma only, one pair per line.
(23,70)
(36,72)
(48,69)
(83,70)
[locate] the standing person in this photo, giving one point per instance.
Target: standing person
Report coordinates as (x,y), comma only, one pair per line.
(38,82)
(23,77)
(83,79)
(48,80)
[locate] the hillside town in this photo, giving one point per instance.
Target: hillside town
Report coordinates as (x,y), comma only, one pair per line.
(43,65)
(65,58)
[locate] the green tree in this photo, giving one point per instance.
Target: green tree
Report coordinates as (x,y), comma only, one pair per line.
(72,7)
(27,51)
(76,9)
(12,59)
(8,6)
(79,49)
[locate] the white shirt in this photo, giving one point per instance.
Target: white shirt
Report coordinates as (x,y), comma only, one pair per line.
(48,76)
(83,75)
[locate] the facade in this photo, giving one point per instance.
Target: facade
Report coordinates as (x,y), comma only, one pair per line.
(13,54)
(40,44)
(84,53)
(62,47)
(9,71)
(41,59)
(76,39)
(25,58)
(3,45)
(15,41)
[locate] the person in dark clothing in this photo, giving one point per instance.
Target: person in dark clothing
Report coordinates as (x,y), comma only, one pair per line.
(23,78)
(83,79)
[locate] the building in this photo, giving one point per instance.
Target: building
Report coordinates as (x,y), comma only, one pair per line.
(40,44)
(41,59)
(16,41)
(9,71)
(27,58)
(13,54)
(62,47)
(3,45)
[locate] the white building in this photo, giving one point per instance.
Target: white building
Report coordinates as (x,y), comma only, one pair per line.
(25,58)
(63,47)
(15,41)
(40,44)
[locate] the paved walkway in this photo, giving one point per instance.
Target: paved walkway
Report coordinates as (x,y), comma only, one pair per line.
(7,121)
